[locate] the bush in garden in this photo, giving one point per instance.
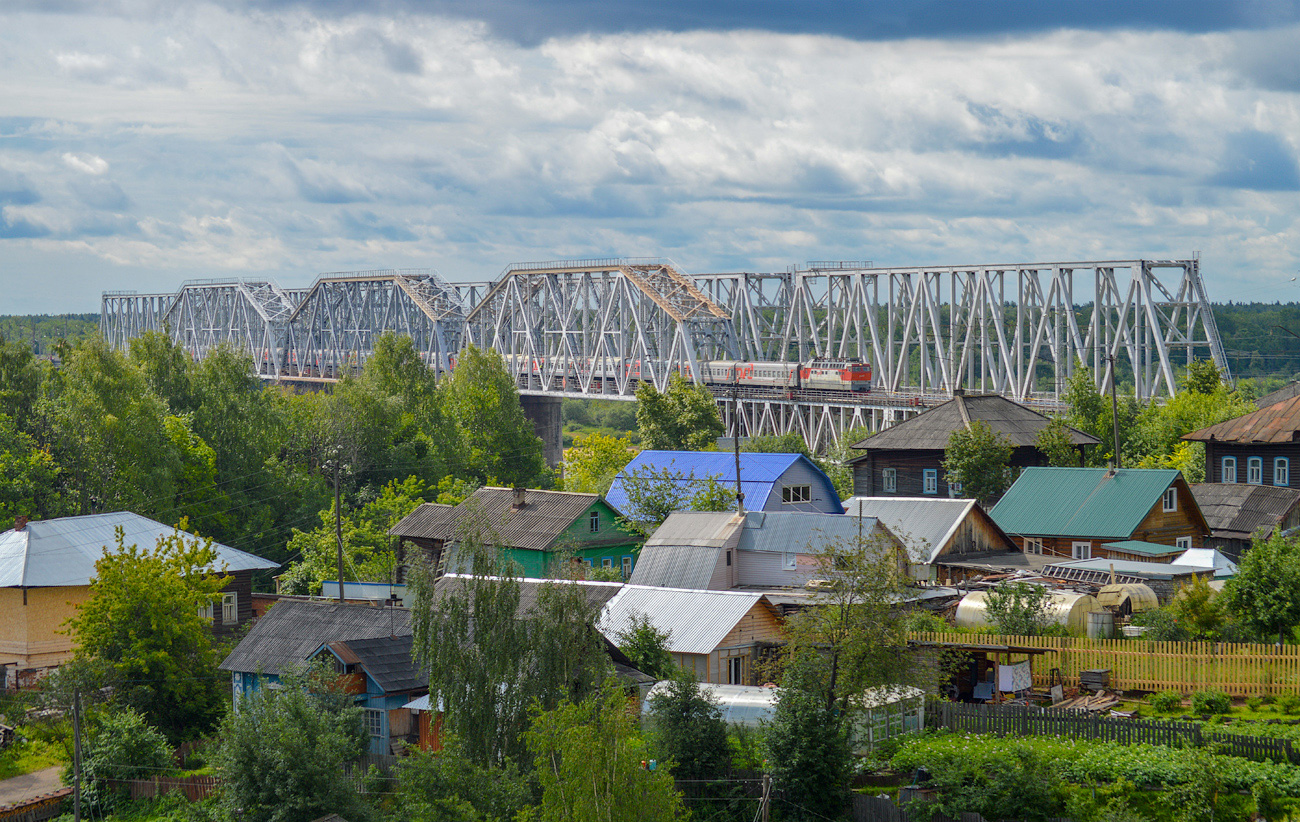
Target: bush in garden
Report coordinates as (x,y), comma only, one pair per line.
(1211,702)
(1166,701)
(1289,704)
(1254,703)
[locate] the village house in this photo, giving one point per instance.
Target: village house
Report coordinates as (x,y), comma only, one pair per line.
(46,567)
(382,676)
(1087,513)
(906,460)
(936,531)
(1239,514)
(537,530)
(770,482)
(1255,448)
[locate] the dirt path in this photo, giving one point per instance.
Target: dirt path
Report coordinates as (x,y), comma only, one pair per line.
(18,788)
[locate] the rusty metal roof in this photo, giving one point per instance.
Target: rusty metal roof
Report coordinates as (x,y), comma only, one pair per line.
(930,431)
(1237,510)
(1277,423)
(490,514)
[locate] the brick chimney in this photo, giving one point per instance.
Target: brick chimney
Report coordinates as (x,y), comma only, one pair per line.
(20,522)
(520,498)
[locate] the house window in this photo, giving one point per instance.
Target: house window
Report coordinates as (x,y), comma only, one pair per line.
(593,522)
(205,610)
(1281,472)
(728,559)
(889,480)
(374,722)
(1033,545)
(607,562)
(627,567)
(931,478)
(229,608)
(1082,550)
(1255,471)
(954,489)
(796,493)
(1183,543)
(1171,499)
(1229,473)
(791,560)
(735,670)
(587,562)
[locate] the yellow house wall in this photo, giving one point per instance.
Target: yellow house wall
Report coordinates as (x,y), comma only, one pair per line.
(30,634)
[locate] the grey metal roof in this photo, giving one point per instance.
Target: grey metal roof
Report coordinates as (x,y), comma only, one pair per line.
(1129,567)
(292,630)
(696,621)
(388,661)
(924,524)
(930,430)
(782,531)
(1237,510)
(1286,392)
(597,593)
(675,566)
(59,552)
(703,528)
(490,513)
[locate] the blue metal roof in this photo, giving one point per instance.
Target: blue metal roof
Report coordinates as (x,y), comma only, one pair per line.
(759,473)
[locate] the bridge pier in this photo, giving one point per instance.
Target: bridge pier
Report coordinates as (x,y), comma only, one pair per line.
(544,412)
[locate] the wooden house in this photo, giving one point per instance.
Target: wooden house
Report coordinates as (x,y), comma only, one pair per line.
(382,676)
(1254,449)
(1239,514)
(46,568)
(935,531)
(1077,512)
(906,460)
(537,530)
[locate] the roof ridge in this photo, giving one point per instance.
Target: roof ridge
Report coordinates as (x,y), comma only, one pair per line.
(961,409)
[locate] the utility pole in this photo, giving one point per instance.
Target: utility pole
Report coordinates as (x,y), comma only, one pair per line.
(1114,409)
(76,755)
(338,523)
(735,438)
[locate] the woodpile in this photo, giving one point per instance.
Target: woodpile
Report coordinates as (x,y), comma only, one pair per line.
(1099,702)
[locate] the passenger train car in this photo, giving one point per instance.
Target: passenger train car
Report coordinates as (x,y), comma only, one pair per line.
(818,374)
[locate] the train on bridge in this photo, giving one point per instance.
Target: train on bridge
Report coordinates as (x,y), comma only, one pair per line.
(844,375)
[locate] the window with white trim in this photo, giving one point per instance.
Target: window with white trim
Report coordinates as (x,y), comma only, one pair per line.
(607,562)
(593,522)
(374,722)
(1228,473)
(790,560)
(1171,499)
(889,480)
(229,608)
(205,610)
(1033,545)
(1281,472)
(931,480)
(627,567)
(796,493)
(954,489)
(1082,550)
(1255,470)
(1183,543)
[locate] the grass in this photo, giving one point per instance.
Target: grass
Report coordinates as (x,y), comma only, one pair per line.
(1239,711)
(26,757)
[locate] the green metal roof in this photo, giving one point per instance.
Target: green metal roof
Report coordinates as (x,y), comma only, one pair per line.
(1137,546)
(1089,502)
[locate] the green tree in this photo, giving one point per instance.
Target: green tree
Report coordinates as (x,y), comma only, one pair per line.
(1203,377)
(1198,610)
(142,618)
(280,756)
(1053,442)
(788,443)
(683,417)
(588,762)
(807,743)
(499,442)
(1017,608)
(32,484)
(592,462)
(1265,593)
(20,382)
(647,647)
(980,460)
(121,745)
(448,787)
(166,367)
(654,493)
(687,728)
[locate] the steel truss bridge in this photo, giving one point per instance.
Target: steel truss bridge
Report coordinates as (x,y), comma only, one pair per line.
(600,328)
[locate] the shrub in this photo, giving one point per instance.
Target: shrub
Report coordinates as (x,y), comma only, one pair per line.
(1211,702)
(1166,701)
(1268,699)
(1289,704)
(1254,703)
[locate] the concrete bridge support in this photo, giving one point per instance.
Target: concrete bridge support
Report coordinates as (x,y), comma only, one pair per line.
(545,415)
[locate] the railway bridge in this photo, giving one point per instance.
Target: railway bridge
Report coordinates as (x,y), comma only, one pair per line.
(599,328)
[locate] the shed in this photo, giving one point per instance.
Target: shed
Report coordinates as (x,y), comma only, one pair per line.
(932,528)
(771,482)
(1126,598)
(1238,513)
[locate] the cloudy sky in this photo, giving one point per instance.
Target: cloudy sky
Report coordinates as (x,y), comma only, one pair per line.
(145,142)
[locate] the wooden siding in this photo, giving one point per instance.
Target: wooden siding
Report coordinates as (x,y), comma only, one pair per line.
(756,629)
(976,533)
(1158,526)
(1216,451)
(868,475)
(241,585)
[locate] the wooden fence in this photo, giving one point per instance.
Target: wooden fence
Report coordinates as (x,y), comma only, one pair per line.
(1239,669)
(193,788)
(1020,720)
(37,808)
(882,809)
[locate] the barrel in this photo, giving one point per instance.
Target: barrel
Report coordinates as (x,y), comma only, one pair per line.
(1101,625)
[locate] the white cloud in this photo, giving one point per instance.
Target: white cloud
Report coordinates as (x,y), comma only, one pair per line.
(88,163)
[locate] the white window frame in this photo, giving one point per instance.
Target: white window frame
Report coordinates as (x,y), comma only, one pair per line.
(606,562)
(205,611)
(889,480)
(930,480)
(229,608)
(795,494)
(1033,545)
(790,560)
(374,719)
(1183,543)
(1170,499)
(1282,472)
(627,567)
(593,522)
(954,489)
(1255,470)
(1082,550)
(1228,469)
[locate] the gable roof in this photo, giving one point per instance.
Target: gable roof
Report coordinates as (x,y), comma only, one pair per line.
(803,532)
(1286,392)
(597,593)
(1276,423)
(293,630)
(1093,502)
(931,430)
(386,659)
(63,551)
(696,621)
(1238,510)
(759,472)
(924,524)
(544,516)
(675,566)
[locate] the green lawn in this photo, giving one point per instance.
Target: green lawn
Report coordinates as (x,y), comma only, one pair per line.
(25,757)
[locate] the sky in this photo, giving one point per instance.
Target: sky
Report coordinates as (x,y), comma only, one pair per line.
(147,142)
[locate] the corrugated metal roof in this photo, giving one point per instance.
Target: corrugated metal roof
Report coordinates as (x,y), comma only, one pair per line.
(675,566)
(490,513)
(759,472)
(58,552)
(291,631)
(1286,392)
(597,593)
(1128,567)
(1093,502)
(1137,546)
(1277,423)
(1238,510)
(702,528)
(805,533)
(931,430)
(696,621)
(388,661)
(924,524)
